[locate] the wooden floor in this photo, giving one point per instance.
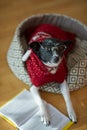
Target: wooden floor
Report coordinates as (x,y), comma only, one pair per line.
(12,12)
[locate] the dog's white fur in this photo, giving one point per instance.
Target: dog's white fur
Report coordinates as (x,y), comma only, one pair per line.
(65,92)
(43,110)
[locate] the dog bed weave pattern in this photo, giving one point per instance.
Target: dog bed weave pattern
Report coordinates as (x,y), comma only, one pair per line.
(76,60)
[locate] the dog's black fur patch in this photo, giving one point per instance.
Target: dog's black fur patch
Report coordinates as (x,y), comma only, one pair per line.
(45,50)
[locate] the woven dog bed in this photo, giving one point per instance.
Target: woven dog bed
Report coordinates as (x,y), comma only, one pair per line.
(76,60)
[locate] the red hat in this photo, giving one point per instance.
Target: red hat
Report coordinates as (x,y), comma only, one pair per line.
(39,37)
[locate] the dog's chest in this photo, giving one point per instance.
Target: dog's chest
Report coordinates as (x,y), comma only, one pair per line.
(52,70)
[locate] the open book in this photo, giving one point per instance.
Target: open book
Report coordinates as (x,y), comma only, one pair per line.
(23,113)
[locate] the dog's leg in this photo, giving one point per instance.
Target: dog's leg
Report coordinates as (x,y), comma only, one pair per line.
(66,95)
(41,104)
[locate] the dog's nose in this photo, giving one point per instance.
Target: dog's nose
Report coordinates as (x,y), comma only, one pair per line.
(56,59)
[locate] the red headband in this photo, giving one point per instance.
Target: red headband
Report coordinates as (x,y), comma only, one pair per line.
(39,37)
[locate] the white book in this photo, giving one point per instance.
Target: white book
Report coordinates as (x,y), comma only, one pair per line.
(23,113)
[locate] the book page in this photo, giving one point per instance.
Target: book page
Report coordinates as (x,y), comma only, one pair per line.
(20,108)
(57,121)
(24,112)
(35,124)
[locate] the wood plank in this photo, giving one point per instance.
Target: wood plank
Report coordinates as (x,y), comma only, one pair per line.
(11,14)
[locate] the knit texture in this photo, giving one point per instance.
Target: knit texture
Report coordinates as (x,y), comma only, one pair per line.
(40,75)
(36,69)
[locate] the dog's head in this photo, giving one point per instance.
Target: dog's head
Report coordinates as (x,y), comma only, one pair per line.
(49,51)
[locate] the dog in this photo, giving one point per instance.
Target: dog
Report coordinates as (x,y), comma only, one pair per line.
(49,54)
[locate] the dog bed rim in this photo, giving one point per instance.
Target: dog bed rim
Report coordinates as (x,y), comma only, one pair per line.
(52,15)
(21,26)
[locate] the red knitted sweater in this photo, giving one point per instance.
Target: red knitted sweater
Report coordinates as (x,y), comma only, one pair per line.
(36,69)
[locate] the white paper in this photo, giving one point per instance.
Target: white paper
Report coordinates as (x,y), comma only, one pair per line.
(24,112)
(57,121)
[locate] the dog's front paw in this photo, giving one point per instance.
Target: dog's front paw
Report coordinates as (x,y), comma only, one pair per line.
(72,115)
(45,119)
(44,115)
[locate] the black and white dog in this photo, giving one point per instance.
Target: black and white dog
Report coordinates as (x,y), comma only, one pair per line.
(51,54)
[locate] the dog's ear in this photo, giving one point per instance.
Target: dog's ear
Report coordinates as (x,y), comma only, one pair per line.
(64,45)
(67,43)
(34,46)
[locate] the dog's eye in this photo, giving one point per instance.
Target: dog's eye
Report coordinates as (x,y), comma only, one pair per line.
(46,48)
